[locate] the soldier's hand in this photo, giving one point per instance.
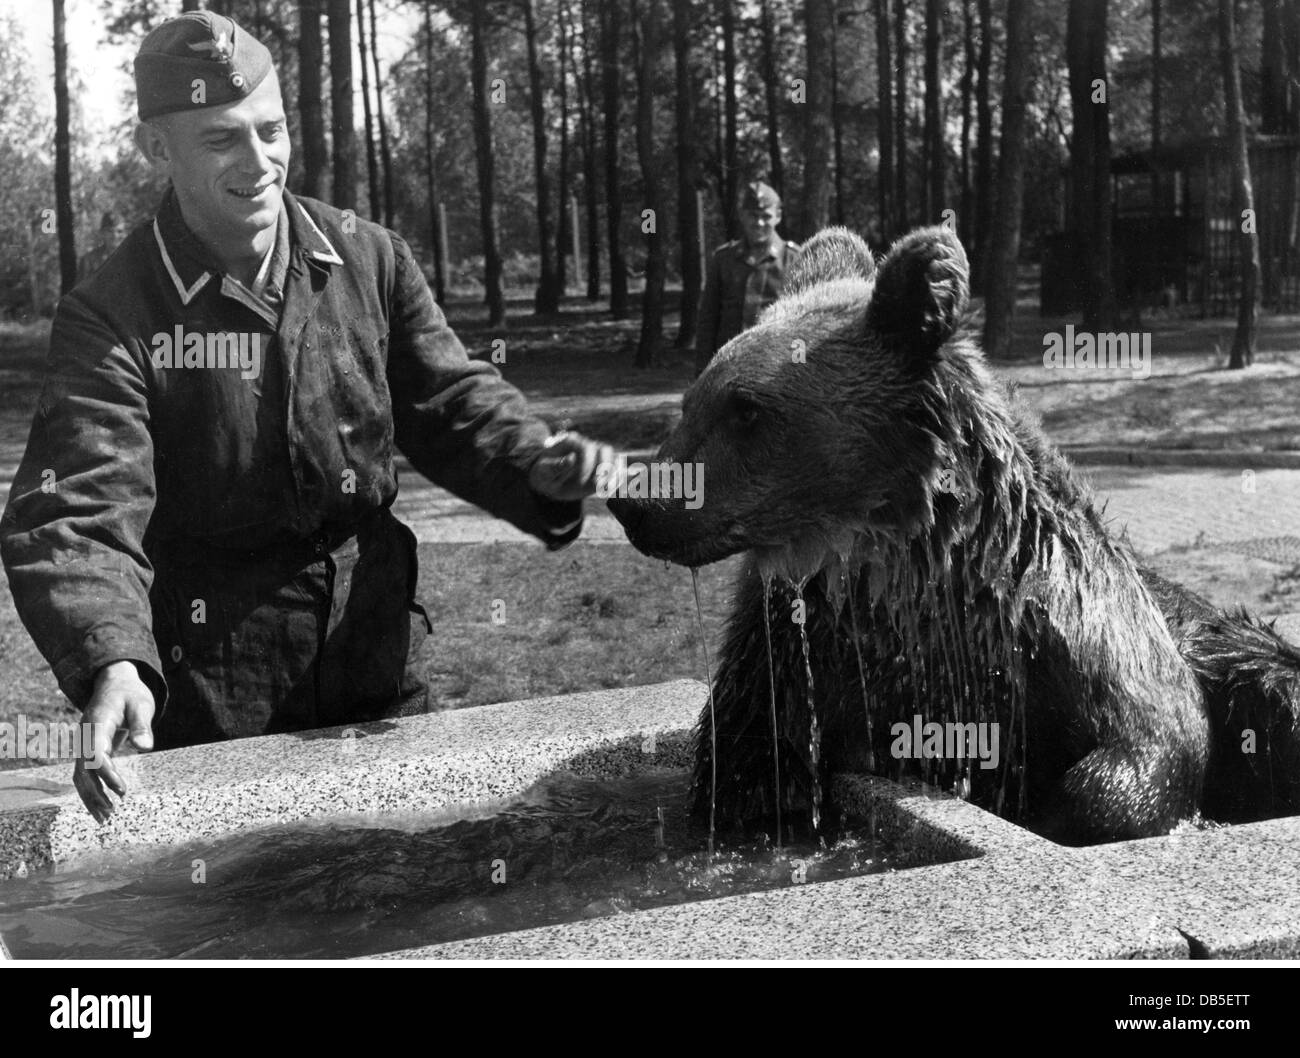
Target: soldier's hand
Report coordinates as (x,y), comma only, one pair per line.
(566,468)
(121,709)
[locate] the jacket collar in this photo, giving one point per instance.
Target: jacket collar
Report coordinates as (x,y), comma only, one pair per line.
(772,252)
(191,266)
(306,235)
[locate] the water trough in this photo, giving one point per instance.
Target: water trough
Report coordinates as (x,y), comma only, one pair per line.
(992,890)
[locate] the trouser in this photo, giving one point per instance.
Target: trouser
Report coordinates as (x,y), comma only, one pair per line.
(318,635)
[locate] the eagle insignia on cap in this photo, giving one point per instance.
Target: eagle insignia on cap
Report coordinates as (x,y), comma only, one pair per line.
(218,49)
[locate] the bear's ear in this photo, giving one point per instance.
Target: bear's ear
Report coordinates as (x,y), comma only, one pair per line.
(921,290)
(833,253)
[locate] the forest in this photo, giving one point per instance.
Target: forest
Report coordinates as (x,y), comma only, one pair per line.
(593,150)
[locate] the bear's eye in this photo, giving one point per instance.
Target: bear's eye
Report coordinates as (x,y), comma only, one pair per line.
(744,410)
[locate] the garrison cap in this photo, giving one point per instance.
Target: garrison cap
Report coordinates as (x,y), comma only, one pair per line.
(757,196)
(197,60)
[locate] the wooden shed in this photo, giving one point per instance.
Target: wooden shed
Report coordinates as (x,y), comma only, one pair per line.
(1174,230)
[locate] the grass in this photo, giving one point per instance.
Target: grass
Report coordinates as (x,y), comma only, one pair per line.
(589,617)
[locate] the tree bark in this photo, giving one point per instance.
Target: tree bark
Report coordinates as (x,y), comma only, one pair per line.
(731,120)
(1243,340)
(885,123)
(590,158)
(1090,159)
(63,154)
(1156,44)
(315,154)
(1004,250)
(345,143)
(547,299)
(933,146)
(819,18)
(688,176)
(984,188)
(430,174)
(611,82)
(900,118)
(563,229)
(771,96)
(837,123)
(964,218)
(493,296)
(645,18)
(385,146)
(372,163)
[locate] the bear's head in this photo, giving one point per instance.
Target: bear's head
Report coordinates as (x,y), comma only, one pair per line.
(828,419)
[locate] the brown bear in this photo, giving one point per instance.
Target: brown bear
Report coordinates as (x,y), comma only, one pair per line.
(922,560)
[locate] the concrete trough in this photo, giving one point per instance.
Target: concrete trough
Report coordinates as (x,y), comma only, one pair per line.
(993,890)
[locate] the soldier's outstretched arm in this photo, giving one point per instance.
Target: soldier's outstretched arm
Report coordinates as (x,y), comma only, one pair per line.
(465,427)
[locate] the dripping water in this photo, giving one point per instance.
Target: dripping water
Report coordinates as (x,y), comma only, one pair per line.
(713,721)
(771,683)
(862,678)
(814,730)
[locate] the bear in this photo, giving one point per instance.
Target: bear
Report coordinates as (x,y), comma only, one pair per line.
(918,553)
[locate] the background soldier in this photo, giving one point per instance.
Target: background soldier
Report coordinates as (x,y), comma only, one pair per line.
(744,275)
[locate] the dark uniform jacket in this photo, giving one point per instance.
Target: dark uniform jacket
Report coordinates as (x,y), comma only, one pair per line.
(227,527)
(725,308)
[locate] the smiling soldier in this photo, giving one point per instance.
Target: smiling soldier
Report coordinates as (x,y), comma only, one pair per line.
(198,539)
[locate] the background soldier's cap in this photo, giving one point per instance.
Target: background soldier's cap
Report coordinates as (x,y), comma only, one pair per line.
(197,60)
(757,196)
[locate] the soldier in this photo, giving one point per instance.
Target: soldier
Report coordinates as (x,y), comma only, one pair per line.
(745,275)
(110,237)
(199,537)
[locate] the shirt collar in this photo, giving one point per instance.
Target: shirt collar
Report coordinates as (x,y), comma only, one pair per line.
(770,253)
(191,266)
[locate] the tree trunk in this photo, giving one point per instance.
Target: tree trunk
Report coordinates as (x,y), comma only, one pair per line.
(1156,43)
(315,154)
(646,19)
(63,154)
(731,114)
(546,302)
(688,177)
(612,90)
(1004,250)
(900,118)
(385,146)
(964,218)
(885,123)
(372,163)
(590,161)
(1243,341)
(933,145)
(345,143)
(430,177)
(771,95)
(563,229)
(819,16)
(837,123)
(492,293)
(1090,159)
(984,189)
